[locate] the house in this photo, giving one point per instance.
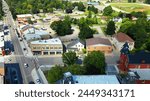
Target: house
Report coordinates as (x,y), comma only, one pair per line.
(99,44)
(76,46)
(120,39)
(138,62)
(89,79)
(47,47)
(23,18)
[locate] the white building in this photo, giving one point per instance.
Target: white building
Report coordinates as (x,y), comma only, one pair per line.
(76,46)
(120,39)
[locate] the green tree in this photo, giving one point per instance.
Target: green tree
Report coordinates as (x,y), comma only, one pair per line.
(110,30)
(107,11)
(69,58)
(85,32)
(81,6)
(55,74)
(140,38)
(93,9)
(147,1)
(125,26)
(94,63)
(148,45)
(75,69)
(62,27)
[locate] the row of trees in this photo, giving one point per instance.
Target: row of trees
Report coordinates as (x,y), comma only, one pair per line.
(64,27)
(30,6)
(93,64)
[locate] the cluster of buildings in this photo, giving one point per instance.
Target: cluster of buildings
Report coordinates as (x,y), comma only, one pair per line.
(135,66)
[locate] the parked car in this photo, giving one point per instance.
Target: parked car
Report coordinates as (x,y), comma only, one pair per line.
(26,65)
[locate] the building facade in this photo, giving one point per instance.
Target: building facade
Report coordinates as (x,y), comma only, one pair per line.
(138,62)
(99,44)
(120,39)
(47,47)
(76,46)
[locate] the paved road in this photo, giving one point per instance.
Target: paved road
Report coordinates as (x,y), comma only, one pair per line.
(19,56)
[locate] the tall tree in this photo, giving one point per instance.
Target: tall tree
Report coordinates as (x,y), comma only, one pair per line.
(85,32)
(107,11)
(69,58)
(94,63)
(110,30)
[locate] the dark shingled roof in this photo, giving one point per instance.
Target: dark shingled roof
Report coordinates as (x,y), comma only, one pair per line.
(141,57)
(94,41)
(122,37)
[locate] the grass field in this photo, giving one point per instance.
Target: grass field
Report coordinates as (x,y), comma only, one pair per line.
(129,7)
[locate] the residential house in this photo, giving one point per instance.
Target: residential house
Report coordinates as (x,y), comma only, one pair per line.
(47,47)
(89,79)
(76,46)
(120,39)
(138,62)
(99,44)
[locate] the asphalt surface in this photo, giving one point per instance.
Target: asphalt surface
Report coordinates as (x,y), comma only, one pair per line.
(19,55)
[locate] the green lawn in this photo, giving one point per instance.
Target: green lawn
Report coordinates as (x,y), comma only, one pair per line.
(129,7)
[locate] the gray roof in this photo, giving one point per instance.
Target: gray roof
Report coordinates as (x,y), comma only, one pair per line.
(144,74)
(75,42)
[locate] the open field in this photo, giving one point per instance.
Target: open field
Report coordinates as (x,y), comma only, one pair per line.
(129,7)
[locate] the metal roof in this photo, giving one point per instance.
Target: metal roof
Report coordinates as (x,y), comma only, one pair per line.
(95,79)
(144,74)
(141,57)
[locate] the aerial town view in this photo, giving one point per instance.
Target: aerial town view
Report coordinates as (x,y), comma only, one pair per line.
(74,41)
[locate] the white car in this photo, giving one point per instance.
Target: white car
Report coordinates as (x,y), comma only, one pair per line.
(26,65)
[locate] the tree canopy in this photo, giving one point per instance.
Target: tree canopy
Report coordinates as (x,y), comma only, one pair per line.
(94,63)
(110,30)
(62,27)
(69,58)
(85,32)
(107,11)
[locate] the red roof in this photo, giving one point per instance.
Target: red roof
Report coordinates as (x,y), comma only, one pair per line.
(94,41)
(122,37)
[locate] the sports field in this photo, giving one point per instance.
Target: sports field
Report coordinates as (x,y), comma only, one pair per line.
(129,7)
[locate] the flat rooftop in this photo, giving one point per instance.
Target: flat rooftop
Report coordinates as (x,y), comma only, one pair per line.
(144,74)
(49,41)
(95,79)
(24,15)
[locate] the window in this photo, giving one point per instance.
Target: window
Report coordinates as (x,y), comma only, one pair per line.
(43,47)
(58,52)
(60,47)
(52,53)
(45,53)
(34,47)
(78,45)
(51,47)
(55,47)
(47,47)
